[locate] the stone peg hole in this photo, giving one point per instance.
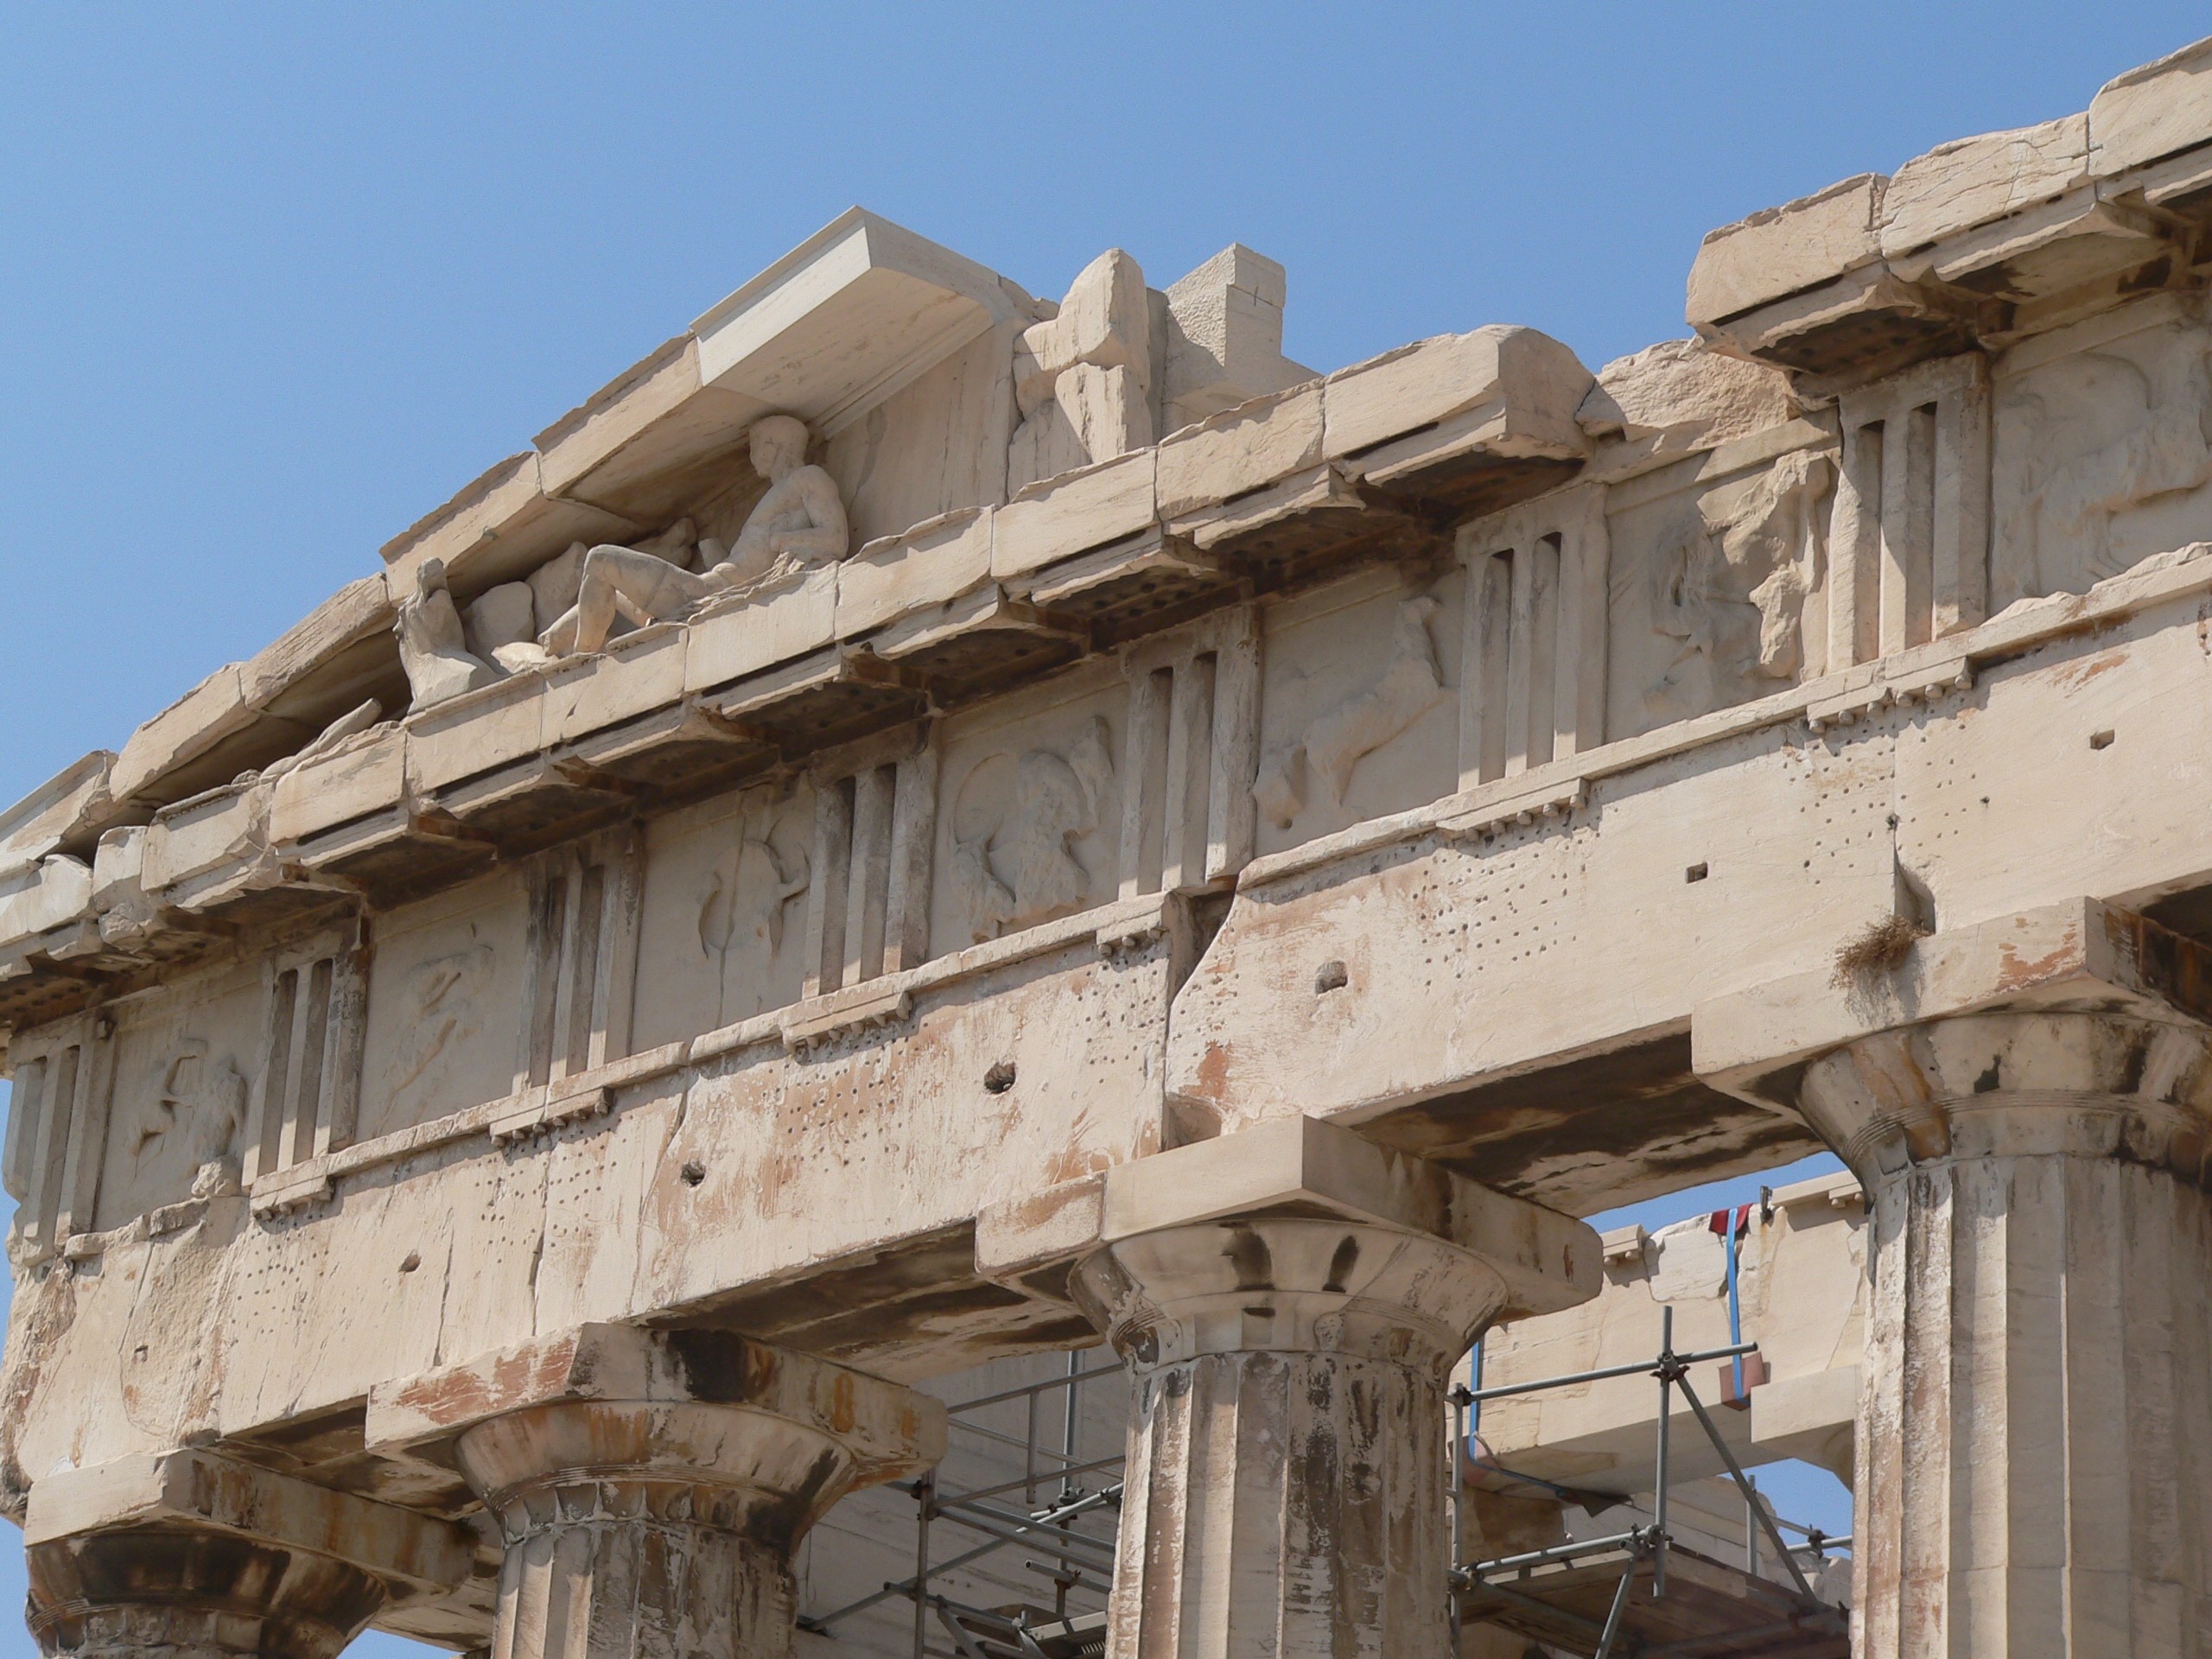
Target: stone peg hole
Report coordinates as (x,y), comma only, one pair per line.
(1000,1077)
(410,1261)
(1696,873)
(2101,740)
(1330,977)
(693,1171)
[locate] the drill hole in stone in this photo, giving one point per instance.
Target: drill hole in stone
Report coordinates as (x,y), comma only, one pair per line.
(2101,740)
(1331,976)
(1696,873)
(694,1172)
(1000,1077)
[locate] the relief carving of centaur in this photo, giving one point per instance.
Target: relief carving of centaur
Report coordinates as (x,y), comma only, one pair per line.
(571,604)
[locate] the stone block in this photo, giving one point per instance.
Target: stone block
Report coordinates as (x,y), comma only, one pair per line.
(760,631)
(1970,181)
(68,805)
(368,775)
(36,898)
(636,673)
(1301,1165)
(1073,513)
(860,309)
(2153,112)
(221,827)
(1241,449)
(1222,341)
(1671,399)
(504,615)
(118,866)
(1810,1417)
(1531,382)
(1783,250)
(884,1427)
(475,732)
(590,436)
(213,710)
(192,1490)
(359,611)
(935,561)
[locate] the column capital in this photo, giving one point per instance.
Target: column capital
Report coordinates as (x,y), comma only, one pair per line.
(191,1551)
(1290,1235)
(779,1436)
(2078,1027)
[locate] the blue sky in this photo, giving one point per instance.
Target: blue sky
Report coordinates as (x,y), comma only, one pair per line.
(274,281)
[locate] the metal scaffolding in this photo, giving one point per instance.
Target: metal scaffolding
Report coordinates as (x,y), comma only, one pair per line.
(1056,1496)
(1508,1584)
(1059,1492)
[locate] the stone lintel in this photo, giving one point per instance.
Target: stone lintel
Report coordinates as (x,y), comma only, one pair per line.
(1300,1167)
(194,1491)
(887,1430)
(2082,956)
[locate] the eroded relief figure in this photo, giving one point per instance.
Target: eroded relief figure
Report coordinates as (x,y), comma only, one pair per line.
(443,1011)
(748,897)
(2088,438)
(1336,741)
(199,1105)
(1014,861)
(1730,586)
(799,524)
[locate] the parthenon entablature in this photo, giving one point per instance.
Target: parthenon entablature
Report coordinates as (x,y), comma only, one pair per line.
(899,824)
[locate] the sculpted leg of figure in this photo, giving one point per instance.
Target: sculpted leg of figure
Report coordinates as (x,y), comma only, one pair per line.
(649,1488)
(622,582)
(1286,1482)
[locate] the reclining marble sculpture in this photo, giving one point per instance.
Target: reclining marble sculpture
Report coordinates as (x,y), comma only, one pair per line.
(799,522)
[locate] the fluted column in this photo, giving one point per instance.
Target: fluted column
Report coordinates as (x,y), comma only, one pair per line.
(2034,1468)
(1289,1300)
(649,1488)
(2029,1105)
(193,1556)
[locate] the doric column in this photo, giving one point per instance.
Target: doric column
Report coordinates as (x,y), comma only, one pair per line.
(1289,1300)
(650,1487)
(190,1555)
(2029,1105)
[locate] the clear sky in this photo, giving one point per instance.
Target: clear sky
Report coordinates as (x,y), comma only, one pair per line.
(276,281)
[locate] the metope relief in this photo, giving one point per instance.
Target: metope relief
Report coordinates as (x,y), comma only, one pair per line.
(443,994)
(194,1116)
(1718,589)
(2103,454)
(1729,587)
(443,1000)
(1017,823)
(753,896)
(1323,754)
(1358,714)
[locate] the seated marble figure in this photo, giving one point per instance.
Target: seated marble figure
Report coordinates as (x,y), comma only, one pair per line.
(800,521)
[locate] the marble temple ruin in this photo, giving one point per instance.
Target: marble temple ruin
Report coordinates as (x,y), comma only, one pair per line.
(925,827)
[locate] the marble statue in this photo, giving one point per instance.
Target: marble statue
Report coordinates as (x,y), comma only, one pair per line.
(800,521)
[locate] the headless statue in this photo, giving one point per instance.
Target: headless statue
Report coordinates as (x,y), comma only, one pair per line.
(800,521)
(438,662)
